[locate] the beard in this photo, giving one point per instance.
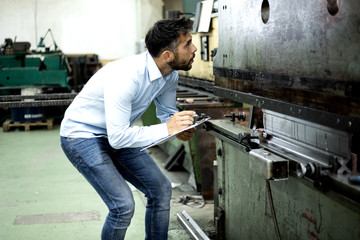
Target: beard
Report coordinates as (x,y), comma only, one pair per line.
(177,64)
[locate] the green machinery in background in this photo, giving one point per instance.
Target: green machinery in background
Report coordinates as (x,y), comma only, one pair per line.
(25,72)
(33,79)
(20,68)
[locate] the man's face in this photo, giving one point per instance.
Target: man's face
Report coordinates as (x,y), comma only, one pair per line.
(184,54)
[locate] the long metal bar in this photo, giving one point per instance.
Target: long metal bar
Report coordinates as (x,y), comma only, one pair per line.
(191,226)
(195,98)
(42,103)
(39,100)
(194,224)
(196,83)
(344,88)
(38,96)
(183,222)
(336,121)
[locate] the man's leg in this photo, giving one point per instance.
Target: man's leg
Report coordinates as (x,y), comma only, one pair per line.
(90,156)
(138,168)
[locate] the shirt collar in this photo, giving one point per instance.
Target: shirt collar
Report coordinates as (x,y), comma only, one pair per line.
(154,71)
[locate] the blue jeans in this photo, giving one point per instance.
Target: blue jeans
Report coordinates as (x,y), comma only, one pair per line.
(107,170)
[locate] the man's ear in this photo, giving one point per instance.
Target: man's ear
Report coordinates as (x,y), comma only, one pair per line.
(168,56)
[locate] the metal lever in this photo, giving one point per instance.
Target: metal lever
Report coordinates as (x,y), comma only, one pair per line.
(240,116)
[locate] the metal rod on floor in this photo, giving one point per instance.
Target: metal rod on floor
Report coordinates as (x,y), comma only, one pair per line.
(191,227)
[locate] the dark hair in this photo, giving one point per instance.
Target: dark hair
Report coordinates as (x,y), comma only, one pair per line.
(165,33)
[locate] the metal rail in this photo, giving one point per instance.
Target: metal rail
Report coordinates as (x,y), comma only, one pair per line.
(41,100)
(336,121)
(38,96)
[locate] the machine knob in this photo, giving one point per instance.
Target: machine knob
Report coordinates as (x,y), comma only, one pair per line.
(240,116)
(305,169)
(213,53)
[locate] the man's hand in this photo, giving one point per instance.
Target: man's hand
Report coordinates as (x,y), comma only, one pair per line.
(186,135)
(179,121)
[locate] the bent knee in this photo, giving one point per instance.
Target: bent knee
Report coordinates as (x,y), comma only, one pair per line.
(124,211)
(163,196)
(168,189)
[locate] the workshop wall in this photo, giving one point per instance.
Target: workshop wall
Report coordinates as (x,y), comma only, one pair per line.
(109,28)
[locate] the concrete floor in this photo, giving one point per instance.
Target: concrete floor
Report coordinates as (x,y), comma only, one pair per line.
(42,196)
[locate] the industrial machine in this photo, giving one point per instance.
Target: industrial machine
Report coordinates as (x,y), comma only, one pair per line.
(31,80)
(25,72)
(293,172)
(21,68)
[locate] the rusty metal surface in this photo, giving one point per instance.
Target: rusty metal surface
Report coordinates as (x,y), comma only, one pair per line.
(307,52)
(300,38)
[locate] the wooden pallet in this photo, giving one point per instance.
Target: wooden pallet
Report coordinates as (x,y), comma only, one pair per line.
(9,124)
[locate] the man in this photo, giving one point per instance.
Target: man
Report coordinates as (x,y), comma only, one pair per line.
(98,137)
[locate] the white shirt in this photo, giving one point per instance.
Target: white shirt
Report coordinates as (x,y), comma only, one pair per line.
(117,95)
